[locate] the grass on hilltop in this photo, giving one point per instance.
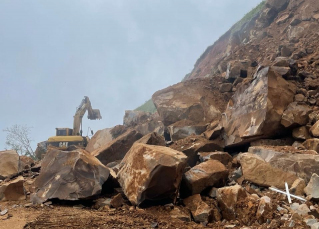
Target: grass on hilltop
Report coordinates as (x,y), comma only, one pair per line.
(148,106)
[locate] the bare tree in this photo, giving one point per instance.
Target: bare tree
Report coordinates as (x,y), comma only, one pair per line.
(18,138)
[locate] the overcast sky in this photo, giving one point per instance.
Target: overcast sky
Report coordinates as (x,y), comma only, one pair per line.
(117,52)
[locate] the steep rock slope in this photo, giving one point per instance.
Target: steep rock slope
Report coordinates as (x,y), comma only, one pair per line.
(280,28)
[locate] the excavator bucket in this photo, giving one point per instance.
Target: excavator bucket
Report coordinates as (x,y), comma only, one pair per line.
(95,114)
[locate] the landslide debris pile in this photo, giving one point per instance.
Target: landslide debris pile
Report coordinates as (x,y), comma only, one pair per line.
(244,124)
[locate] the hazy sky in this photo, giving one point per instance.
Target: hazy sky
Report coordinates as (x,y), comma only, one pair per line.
(119,52)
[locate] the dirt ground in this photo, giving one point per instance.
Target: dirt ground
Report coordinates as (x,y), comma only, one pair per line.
(55,216)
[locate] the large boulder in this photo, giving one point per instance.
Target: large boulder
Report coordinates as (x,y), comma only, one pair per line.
(69,175)
(9,163)
(13,190)
(103,137)
(207,174)
(255,111)
(185,128)
(295,115)
(260,172)
(133,118)
(301,164)
(192,145)
(151,173)
(116,149)
(196,100)
(152,139)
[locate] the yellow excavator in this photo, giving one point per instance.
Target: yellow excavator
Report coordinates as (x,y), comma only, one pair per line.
(66,137)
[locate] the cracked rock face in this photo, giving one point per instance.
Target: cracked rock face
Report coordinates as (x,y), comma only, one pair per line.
(255,111)
(151,173)
(69,175)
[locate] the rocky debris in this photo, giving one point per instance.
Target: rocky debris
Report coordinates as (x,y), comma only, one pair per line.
(192,145)
(223,157)
(206,174)
(12,190)
(302,165)
(103,137)
(181,214)
(295,115)
(254,111)
(214,130)
(69,175)
(201,212)
(196,100)
(9,163)
(260,172)
(26,162)
(41,150)
(185,128)
(227,198)
(133,118)
(152,139)
(265,209)
(237,69)
(153,125)
(142,168)
(301,133)
(116,149)
(312,189)
(272,142)
(314,130)
(298,187)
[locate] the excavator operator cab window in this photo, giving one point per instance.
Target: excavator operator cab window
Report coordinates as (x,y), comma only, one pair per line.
(70,132)
(61,132)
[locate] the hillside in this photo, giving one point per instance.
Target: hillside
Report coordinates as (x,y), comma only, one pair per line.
(235,145)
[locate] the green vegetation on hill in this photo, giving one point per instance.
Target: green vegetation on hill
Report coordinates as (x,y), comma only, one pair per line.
(247,17)
(148,106)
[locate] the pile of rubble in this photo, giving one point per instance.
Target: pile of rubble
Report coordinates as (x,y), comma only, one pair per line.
(236,149)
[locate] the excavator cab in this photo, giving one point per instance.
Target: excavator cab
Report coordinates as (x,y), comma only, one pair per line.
(64,132)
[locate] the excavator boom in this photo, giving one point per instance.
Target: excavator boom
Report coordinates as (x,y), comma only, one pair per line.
(93,114)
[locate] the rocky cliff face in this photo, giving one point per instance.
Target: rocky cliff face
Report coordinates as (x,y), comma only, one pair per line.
(281,28)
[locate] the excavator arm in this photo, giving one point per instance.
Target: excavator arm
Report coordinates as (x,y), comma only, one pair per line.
(93,114)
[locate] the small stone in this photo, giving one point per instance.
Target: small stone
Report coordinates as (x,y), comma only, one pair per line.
(298,187)
(28,205)
(117,201)
(180,214)
(312,189)
(213,192)
(285,217)
(300,209)
(299,98)
(79,206)
(291,224)
(226,87)
(154,225)
(5,211)
(310,222)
